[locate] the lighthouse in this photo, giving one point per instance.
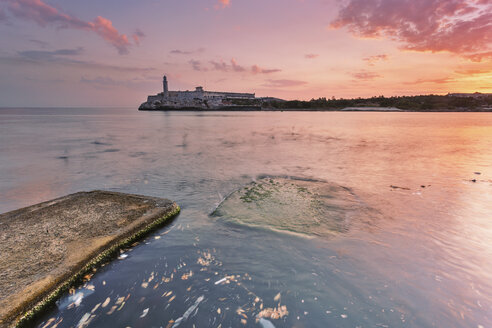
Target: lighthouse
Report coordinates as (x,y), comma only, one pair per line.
(165,93)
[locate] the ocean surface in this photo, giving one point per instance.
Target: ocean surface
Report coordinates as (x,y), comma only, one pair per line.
(405,239)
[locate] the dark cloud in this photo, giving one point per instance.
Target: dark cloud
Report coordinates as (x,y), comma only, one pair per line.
(40,43)
(457,26)
(197,65)
(220,66)
(66,58)
(40,55)
(235,67)
(107,82)
(137,36)
(186,52)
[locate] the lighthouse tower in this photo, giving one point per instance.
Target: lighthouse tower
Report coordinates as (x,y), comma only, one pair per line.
(165,88)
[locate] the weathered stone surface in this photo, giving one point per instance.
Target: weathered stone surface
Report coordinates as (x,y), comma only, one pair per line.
(300,206)
(44,246)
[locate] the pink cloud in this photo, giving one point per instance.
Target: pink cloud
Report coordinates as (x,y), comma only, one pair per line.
(471,71)
(311,56)
(442,80)
(457,26)
(478,57)
(255,69)
(104,28)
(224,3)
(235,67)
(365,76)
(371,60)
(45,15)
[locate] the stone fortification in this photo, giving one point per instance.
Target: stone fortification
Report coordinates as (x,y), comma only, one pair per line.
(199,99)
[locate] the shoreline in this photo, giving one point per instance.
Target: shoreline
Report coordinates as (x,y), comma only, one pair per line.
(68,238)
(382,110)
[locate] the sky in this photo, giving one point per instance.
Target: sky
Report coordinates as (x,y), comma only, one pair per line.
(114,52)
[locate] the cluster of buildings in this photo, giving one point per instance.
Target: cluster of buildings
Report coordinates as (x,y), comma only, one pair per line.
(199,99)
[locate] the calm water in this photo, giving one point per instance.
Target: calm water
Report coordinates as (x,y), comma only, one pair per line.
(425,260)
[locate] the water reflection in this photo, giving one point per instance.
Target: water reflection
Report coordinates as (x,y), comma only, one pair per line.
(424,262)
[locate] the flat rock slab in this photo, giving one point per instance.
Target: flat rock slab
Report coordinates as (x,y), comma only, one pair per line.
(44,245)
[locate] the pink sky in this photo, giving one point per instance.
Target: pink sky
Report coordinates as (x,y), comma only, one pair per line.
(114,53)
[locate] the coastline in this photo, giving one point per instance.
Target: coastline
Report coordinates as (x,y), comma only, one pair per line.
(378,110)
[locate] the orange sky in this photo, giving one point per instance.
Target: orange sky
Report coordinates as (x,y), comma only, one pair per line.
(114,53)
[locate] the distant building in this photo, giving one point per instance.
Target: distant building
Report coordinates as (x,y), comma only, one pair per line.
(199,99)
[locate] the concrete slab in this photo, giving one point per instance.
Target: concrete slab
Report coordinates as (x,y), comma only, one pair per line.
(46,248)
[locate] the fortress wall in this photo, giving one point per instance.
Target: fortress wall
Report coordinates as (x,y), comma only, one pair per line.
(151,99)
(197,97)
(229,94)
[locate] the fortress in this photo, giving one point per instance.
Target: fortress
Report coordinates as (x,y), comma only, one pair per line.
(199,99)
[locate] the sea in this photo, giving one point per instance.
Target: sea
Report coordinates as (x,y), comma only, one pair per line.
(415,251)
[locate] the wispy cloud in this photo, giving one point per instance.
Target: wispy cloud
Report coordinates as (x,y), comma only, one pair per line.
(311,56)
(474,71)
(39,43)
(220,66)
(186,52)
(457,26)
(45,15)
(41,55)
(364,75)
(371,60)
(255,69)
(197,65)
(441,80)
(235,67)
(284,83)
(109,82)
(3,16)
(478,57)
(137,36)
(223,3)
(66,58)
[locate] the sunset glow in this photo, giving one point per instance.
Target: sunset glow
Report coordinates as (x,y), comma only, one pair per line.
(114,53)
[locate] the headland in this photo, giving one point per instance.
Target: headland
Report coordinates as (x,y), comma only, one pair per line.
(203,100)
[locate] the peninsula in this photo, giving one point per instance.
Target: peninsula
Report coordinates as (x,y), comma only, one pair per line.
(200,99)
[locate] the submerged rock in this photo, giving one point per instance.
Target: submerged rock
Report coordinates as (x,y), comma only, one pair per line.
(307,207)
